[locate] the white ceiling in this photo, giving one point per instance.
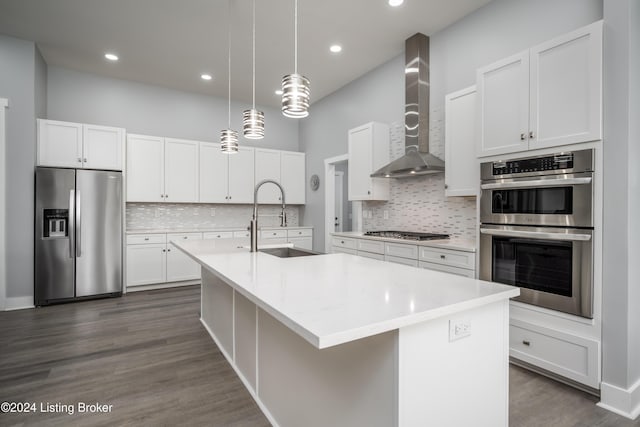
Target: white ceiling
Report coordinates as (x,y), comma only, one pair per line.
(171,42)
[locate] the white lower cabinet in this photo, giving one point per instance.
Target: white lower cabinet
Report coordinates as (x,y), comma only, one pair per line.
(568,355)
(300,237)
(152,259)
(452,261)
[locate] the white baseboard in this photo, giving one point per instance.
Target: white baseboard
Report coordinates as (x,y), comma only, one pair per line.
(620,401)
(161,286)
(18,303)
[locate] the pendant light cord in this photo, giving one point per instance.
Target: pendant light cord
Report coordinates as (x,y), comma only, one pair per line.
(295,38)
(229,52)
(254,54)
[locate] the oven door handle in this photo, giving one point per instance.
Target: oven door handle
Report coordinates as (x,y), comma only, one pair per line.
(572,237)
(538,183)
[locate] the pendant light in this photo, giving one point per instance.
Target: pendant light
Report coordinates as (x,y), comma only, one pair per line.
(253,120)
(228,136)
(295,87)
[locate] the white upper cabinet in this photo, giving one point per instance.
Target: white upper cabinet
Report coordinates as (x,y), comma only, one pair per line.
(145,169)
(241,175)
(74,145)
(368,151)
(547,96)
(293,176)
(566,89)
(503,89)
(462,170)
(103,147)
(285,167)
(268,167)
(214,171)
(226,178)
(181,177)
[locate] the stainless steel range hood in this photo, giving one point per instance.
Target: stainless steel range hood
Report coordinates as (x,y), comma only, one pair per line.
(417,160)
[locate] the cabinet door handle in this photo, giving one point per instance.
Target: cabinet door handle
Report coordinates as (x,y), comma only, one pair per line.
(342,241)
(85,160)
(168,250)
(164,250)
(531,135)
(446,186)
(368,191)
(523,136)
(79,160)
(527,343)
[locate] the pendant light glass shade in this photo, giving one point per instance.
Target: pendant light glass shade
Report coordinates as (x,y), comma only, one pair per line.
(229,141)
(295,96)
(295,87)
(253,120)
(228,136)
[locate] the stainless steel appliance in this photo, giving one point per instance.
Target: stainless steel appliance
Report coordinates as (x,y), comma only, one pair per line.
(536,229)
(78,234)
(406,235)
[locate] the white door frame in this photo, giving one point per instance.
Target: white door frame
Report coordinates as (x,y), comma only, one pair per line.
(329,197)
(4,103)
(338,195)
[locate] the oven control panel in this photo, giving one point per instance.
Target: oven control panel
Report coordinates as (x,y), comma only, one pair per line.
(537,164)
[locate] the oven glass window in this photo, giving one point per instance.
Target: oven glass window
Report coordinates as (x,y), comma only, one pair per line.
(555,200)
(541,265)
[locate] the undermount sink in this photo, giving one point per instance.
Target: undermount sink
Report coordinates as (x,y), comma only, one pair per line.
(287,252)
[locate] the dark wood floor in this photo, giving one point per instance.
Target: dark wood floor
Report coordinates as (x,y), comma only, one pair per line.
(148,356)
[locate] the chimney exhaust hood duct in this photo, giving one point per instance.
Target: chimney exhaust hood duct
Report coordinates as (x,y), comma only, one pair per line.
(417,160)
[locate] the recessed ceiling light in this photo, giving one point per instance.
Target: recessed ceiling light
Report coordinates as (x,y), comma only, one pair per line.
(278,92)
(395,3)
(206,77)
(111,56)
(335,48)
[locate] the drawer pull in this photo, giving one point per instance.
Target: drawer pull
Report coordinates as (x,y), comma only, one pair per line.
(527,343)
(342,241)
(185,237)
(442,257)
(275,234)
(146,238)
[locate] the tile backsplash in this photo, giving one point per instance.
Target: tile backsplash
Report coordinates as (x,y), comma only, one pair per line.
(419,204)
(186,216)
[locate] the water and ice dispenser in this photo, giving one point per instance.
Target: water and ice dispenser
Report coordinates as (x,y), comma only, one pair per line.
(56,223)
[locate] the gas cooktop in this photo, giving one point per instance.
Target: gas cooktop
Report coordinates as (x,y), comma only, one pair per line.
(406,235)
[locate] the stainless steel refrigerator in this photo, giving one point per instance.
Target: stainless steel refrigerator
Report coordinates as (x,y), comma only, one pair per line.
(78,234)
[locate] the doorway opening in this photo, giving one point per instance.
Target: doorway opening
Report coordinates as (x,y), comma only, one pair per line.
(341,215)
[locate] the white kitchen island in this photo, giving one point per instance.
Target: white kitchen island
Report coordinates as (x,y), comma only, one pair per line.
(341,340)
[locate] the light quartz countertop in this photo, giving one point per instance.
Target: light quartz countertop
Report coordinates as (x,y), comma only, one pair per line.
(453,243)
(206,230)
(332,299)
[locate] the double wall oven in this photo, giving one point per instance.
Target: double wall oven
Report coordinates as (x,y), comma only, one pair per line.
(536,229)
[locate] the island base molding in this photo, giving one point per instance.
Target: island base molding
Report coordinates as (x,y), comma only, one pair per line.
(411,376)
(620,401)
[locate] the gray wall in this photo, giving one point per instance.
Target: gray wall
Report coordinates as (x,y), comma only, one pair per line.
(621,273)
(501,28)
(17,83)
(153,110)
(377,96)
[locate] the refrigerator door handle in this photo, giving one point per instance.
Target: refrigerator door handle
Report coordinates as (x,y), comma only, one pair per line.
(71,224)
(79,225)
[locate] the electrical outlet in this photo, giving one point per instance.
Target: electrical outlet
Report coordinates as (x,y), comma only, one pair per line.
(459,329)
(212,211)
(385,214)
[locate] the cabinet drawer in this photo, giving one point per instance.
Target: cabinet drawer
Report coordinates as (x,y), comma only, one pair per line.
(241,234)
(400,260)
(401,250)
(305,232)
(567,355)
(142,239)
(371,255)
(448,257)
(343,242)
(182,237)
(273,234)
(447,269)
(374,246)
(339,250)
(218,235)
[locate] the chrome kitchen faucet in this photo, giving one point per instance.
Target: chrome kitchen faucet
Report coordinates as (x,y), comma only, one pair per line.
(253,226)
